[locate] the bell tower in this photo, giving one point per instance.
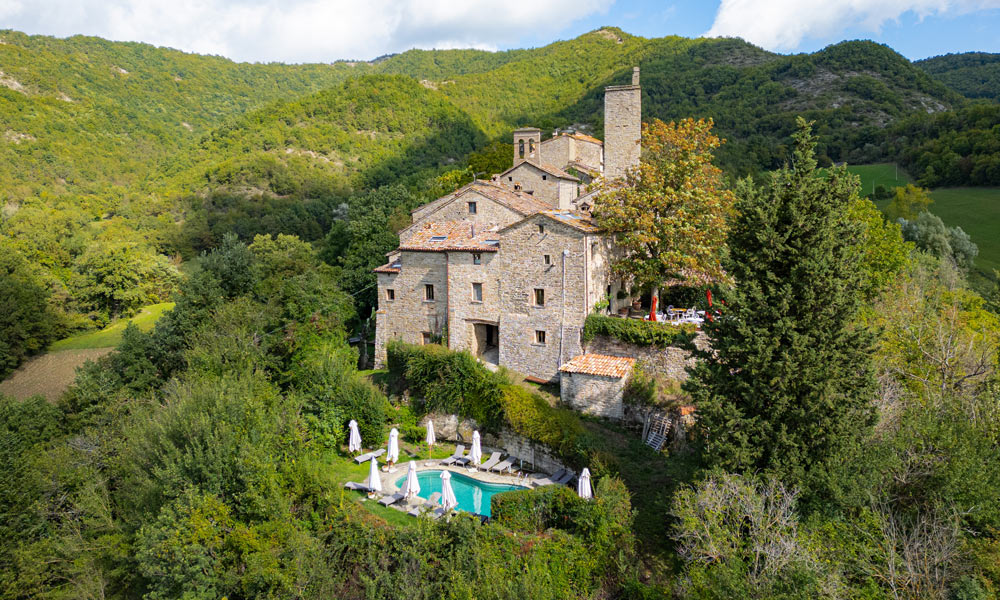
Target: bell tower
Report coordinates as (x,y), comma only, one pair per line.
(622,127)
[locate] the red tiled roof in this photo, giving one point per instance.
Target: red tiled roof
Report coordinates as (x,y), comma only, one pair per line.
(444,236)
(599,364)
(576,219)
(586,138)
(520,202)
(392,267)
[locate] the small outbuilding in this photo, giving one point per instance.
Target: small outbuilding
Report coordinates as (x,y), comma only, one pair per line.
(595,384)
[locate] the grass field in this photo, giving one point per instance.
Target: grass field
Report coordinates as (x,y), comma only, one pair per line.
(885,174)
(110,336)
(48,375)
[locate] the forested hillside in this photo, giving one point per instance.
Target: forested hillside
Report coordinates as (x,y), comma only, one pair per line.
(972,74)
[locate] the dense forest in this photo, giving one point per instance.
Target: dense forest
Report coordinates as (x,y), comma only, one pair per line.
(972,74)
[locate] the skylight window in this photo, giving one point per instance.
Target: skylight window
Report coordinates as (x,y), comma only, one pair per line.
(439,238)
(492,242)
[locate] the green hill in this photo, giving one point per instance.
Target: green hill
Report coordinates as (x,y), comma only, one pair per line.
(972,74)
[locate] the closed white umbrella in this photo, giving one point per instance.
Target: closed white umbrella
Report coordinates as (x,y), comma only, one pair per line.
(448,499)
(412,487)
(354,441)
(476,454)
(374,480)
(583,485)
(393,455)
(431,440)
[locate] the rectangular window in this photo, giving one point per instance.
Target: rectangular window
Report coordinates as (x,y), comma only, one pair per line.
(425,338)
(541,229)
(428,292)
(477,292)
(472,208)
(539,297)
(477,259)
(545,177)
(547,259)
(539,336)
(390,294)
(510,179)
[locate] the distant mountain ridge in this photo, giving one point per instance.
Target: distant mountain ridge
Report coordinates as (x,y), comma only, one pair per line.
(972,74)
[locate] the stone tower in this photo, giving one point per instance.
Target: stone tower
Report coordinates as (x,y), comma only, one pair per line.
(622,127)
(527,145)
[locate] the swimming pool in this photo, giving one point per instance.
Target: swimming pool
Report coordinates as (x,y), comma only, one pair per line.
(472,495)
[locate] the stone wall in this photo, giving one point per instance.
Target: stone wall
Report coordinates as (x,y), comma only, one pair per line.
(593,394)
(522,253)
(538,183)
(408,316)
(670,362)
(488,212)
(622,128)
(451,429)
(465,311)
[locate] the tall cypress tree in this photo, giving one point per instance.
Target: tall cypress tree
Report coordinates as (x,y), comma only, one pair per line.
(787,386)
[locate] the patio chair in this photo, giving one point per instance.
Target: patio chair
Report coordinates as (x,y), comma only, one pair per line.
(569,476)
(387,500)
(551,479)
(353,485)
(423,506)
(361,458)
(502,466)
(489,464)
(457,456)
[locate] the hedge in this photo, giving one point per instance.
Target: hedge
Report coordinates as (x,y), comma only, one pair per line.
(637,331)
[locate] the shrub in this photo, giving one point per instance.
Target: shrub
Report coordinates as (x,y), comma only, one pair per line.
(635,331)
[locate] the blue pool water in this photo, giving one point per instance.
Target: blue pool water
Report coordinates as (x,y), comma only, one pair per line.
(472,495)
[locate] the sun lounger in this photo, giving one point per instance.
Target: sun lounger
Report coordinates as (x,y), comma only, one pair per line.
(368,456)
(439,512)
(566,478)
(425,505)
(454,458)
(504,465)
(353,485)
(551,479)
(489,464)
(387,500)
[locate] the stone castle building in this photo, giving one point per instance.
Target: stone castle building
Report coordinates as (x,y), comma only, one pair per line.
(508,269)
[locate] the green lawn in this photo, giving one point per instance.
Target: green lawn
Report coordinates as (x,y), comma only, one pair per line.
(885,174)
(977,212)
(111,335)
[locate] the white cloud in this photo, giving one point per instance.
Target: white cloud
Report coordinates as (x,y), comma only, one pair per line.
(784,24)
(300,30)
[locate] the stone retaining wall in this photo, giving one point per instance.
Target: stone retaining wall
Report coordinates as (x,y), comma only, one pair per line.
(449,428)
(671,362)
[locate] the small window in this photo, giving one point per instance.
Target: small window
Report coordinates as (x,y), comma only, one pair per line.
(477,259)
(428,292)
(545,177)
(425,338)
(510,178)
(539,336)
(547,259)
(390,294)
(541,229)
(472,208)
(539,297)
(520,149)
(477,292)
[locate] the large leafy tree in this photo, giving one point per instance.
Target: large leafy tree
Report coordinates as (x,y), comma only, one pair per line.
(788,384)
(670,214)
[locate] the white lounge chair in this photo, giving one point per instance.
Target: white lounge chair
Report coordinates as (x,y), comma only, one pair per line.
(423,506)
(387,500)
(456,457)
(566,478)
(489,464)
(353,485)
(504,465)
(362,458)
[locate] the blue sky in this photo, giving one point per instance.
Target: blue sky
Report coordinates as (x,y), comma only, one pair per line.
(326,30)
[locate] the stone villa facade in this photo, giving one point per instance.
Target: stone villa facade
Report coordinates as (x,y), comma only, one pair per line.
(508,269)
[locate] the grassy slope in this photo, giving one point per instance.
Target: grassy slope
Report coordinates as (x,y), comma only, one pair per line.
(111,335)
(884,174)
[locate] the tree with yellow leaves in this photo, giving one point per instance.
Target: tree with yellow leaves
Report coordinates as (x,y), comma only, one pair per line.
(669,214)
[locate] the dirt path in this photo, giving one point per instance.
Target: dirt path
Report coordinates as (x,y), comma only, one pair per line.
(48,375)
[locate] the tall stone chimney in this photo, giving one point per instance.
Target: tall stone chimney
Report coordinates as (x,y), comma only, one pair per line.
(622,127)
(527,145)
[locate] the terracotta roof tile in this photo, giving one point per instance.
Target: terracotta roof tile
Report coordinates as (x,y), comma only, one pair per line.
(550,169)
(392,267)
(599,364)
(520,202)
(574,218)
(444,236)
(586,138)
